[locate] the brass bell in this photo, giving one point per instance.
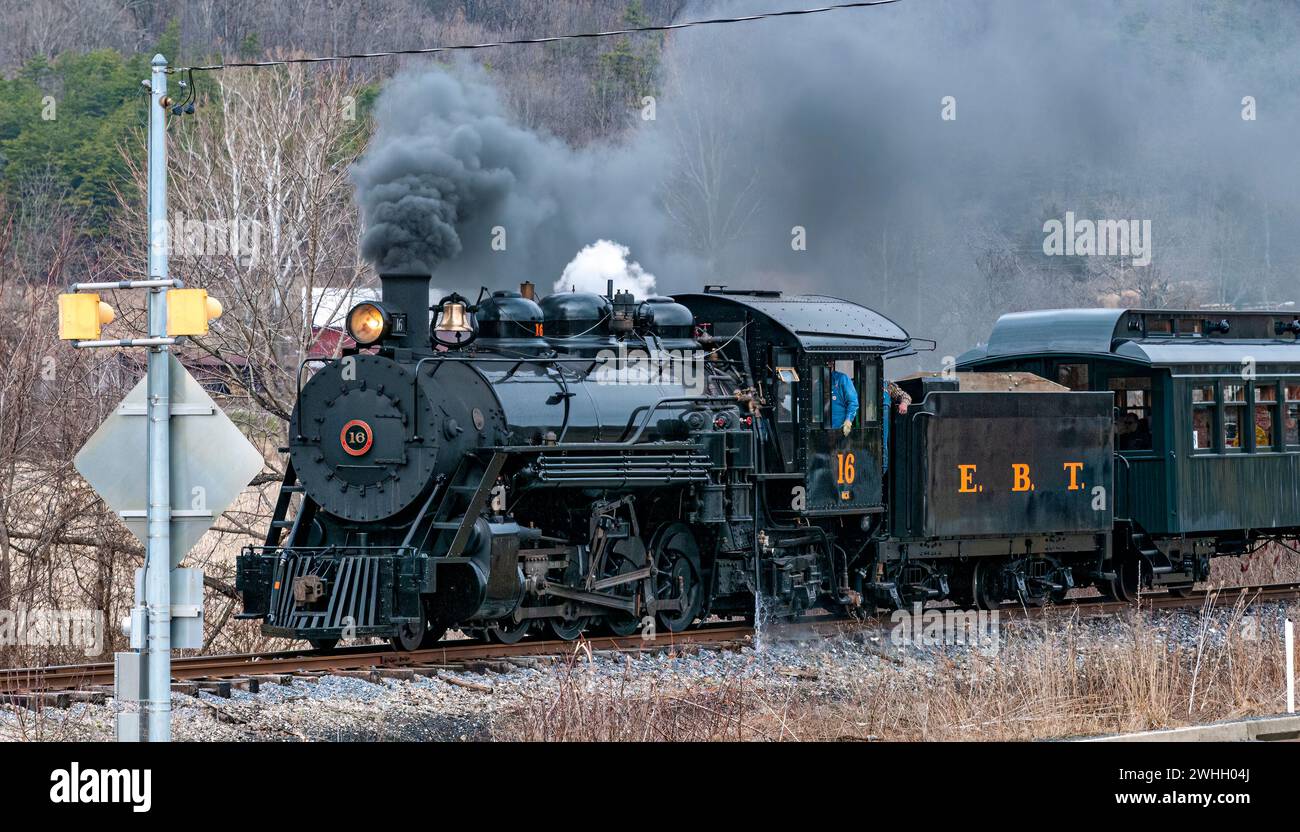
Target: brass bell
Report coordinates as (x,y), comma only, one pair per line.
(454,318)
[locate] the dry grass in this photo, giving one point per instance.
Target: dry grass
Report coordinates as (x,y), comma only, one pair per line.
(577,710)
(1272,564)
(1054,678)
(1056,685)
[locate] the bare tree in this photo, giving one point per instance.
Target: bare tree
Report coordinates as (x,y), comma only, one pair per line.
(261,215)
(710,195)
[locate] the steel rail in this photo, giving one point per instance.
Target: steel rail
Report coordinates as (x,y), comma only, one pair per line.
(362,657)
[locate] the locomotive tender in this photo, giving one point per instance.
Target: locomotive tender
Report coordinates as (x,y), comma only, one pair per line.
(607,463)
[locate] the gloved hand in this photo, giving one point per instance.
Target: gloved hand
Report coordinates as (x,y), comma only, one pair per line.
(848,427)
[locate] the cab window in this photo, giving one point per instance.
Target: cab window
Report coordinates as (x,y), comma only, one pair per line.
(839,380)
(868,393)
(786,379)
(842,387)
(821,396)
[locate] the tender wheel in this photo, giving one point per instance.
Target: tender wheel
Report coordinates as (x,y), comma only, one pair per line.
(509,631)
(1180,590)
(677,561)
(1128,579)
(986,585)
(324,645)
(961,589)
(1035,597)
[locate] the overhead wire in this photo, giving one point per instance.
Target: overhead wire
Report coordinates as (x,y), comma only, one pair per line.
(631,30)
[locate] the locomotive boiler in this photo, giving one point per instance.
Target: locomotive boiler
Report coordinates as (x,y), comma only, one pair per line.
(464,475)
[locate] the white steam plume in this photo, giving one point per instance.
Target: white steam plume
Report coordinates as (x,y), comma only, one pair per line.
(602,261)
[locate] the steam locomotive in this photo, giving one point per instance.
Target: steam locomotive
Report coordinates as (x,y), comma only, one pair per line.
(603,463)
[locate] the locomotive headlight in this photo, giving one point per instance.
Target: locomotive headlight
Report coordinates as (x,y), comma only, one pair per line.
(367,323)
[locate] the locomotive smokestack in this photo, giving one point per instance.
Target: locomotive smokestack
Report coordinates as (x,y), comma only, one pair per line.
(527,290)
(408,293)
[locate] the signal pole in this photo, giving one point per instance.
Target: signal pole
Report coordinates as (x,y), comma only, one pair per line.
(110,458)
(157,565)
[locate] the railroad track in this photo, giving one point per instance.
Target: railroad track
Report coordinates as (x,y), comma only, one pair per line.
(218,673)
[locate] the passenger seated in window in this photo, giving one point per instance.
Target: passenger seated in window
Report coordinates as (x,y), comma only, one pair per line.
(1263,428)
(1141,437)
(1132,433)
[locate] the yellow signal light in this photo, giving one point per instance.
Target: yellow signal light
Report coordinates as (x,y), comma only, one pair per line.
(81,316)
(190,310)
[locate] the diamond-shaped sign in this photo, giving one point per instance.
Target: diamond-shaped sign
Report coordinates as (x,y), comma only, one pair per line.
(211,461)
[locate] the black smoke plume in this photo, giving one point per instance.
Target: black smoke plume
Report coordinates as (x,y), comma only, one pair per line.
(450,182)
(1120,109)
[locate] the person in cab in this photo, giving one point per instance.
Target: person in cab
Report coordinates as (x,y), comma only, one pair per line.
(844,400)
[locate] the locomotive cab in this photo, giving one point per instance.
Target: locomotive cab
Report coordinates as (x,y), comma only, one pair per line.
(817,363)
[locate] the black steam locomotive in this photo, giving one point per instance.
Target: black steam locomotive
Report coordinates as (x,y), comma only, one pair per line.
(610,464)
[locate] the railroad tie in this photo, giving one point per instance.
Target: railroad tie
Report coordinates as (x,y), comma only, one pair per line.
(216,687)
(272,678)
(38,700)
(246,683)
(404,674)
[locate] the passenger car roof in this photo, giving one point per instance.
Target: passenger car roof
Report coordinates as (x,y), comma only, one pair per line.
(1143,336)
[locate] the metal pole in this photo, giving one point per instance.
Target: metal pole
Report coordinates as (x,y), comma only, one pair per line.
(157,574)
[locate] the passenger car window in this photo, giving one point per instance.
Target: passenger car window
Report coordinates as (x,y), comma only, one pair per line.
(1234,414)
(1265,415)
(1291,419)
(1133,424)
(1073,376)
(1204,413)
